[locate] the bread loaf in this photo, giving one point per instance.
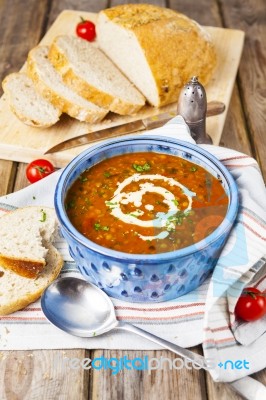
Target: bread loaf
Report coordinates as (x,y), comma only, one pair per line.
(158,49)
(27,104)
(51,86)
(93,76)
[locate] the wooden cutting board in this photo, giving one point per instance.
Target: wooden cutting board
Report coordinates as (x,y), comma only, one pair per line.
(19,142)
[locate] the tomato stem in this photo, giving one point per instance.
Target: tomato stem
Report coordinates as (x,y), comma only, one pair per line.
(40,169)
(252,294)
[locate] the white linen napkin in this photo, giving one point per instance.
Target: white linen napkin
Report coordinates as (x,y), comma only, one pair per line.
(205,315)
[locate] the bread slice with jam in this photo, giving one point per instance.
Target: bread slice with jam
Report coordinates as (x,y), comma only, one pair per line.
(28,260)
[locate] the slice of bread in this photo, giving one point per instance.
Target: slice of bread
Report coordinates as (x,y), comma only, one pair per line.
(16,292)
(27,104)
(158,49)
(25,236)
(51,86)
(93,76)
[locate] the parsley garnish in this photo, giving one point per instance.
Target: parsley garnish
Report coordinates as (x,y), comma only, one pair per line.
(110,203)
(176,202)
(43,219)
(176,219)
(193,169)
(83,178)
(99,227)
(141,168)
(107,174)
(70,204)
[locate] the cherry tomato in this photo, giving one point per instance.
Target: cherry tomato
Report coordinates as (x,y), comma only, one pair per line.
(86,30)
(251,304)
(38,169)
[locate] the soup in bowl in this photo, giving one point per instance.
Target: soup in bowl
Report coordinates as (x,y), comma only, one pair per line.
(146,218)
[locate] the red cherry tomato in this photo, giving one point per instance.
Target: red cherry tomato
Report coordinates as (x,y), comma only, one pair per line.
(86,30)
(38,169)
(251,304)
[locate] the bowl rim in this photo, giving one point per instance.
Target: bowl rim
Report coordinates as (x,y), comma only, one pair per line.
(223,228)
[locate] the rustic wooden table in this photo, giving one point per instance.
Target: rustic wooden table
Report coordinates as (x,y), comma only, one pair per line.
(30,374)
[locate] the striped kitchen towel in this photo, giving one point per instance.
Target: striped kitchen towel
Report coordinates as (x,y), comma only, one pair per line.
(205,315)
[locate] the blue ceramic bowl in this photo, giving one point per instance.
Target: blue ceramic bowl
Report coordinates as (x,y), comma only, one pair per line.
(145,278)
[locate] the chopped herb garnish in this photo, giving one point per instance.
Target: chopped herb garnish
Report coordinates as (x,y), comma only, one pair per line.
(99,227)
(133,215)
(43,218)
(141,168)
(83,178)
(70,204)
(110,203)
(107,174)
(193,169)
(34,198)
(176,219)
(176,202)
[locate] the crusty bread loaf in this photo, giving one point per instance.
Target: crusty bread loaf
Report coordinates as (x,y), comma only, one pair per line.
(27,104)
(25,235)
(158,49)
(16,292)
(93,76)
(51,86)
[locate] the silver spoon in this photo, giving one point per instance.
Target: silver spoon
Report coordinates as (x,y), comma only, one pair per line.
(82,309)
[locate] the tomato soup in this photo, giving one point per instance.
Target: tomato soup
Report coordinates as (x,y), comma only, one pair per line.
(146,203)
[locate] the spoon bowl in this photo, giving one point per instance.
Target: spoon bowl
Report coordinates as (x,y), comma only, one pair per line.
(78,307)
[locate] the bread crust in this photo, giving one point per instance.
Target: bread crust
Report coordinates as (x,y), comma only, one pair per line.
(22,117)
(176,47)
(66,106)
(23,266)
(86,90)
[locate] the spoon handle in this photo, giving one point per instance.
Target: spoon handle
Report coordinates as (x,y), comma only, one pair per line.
(191,356)
(247,387)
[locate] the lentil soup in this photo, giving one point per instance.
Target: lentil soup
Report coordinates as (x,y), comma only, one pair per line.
(146,203)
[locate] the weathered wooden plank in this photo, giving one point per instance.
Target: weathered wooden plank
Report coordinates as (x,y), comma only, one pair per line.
(235,134)
(34,375)
(205,12)
(250,16)
(82,5)
(221,391)
(7,176)
(146,385)
(18,35)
